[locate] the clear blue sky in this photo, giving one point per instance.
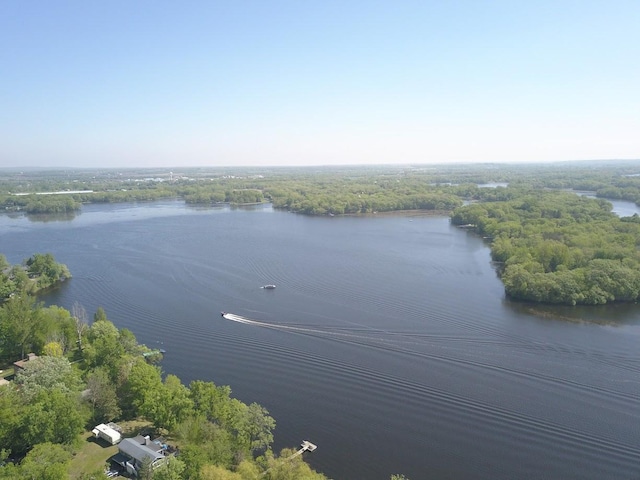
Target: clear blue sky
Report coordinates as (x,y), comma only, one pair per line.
(118,83)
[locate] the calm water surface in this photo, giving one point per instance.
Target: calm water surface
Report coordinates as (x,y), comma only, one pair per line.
(388,341)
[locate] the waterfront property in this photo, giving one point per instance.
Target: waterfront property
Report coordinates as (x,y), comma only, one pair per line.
(135,452)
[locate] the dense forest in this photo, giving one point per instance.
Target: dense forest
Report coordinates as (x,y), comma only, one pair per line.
(558,247)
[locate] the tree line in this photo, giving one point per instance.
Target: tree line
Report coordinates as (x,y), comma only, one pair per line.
(314,191)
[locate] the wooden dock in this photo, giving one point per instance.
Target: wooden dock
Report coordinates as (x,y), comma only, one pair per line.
(307,445)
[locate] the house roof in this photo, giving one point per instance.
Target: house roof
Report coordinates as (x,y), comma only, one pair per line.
(21,363)
(132,448)
(154,445)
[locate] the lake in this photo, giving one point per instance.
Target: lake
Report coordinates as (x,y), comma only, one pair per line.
(388,341)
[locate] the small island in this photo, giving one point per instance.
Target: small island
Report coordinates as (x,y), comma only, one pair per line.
(38,272)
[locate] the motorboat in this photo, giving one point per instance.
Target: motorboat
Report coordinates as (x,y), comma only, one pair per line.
(269,287)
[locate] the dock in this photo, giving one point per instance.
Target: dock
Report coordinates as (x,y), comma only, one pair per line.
(307,445)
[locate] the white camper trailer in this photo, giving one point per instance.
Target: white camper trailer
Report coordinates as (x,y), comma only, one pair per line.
(107,433)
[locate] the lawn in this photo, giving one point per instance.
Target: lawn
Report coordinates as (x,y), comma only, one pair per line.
(92,456)
(94,453)
(6,371)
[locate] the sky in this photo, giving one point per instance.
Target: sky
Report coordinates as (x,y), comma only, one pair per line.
(136,83)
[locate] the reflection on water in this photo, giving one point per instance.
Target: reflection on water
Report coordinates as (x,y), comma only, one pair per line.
(617,315)
(52,217)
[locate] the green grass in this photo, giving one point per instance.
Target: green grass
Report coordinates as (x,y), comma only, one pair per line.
(93,453)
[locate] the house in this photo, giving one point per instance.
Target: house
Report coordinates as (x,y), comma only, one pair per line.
(19,365)
(133,453)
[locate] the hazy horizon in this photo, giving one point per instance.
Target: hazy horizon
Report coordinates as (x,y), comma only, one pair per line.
(167,168)
(282,83)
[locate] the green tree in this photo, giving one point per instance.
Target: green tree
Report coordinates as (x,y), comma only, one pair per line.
(53,349)
(103,347)
(52,416)
(128,341)
(47,373)
(12,411)
(7,287)
(4,263)
(204,442)
(172,469)
(45,268)
(212,401)
(46,461)
(145,472)
(194,458)
(289,466)
(102,396)
(169,404)
(248,470)
(99,315)
(259,427)
(214,472)
(9,471)
(19,318)
(140,389)
(20,278)
(55,325)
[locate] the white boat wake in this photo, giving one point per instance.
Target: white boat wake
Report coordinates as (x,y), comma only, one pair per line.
(241,319)
(247,321)
(362,336)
